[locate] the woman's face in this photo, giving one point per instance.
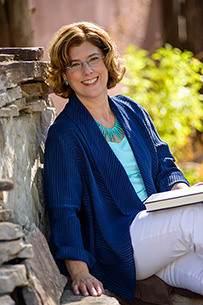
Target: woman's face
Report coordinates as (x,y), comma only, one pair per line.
(89,82)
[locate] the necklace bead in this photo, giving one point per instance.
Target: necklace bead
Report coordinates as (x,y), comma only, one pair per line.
(112,133)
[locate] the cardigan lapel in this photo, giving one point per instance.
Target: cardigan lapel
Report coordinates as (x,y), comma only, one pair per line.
(118,183)
(137,135)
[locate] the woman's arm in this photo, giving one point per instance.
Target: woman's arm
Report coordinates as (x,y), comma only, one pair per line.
(82,280)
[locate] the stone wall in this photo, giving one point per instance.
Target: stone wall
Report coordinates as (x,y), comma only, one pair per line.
(26,111)
(28,273)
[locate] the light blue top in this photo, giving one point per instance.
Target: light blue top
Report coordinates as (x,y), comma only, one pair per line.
(125,155)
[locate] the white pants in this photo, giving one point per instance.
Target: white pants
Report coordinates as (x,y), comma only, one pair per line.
(169,243)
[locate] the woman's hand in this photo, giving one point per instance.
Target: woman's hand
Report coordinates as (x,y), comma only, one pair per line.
(87,284)
(198,184)
(82,280)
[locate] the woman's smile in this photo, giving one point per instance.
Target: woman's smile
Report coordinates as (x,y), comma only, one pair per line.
(90,81)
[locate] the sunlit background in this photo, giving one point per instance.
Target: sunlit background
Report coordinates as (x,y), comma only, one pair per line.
(162,42)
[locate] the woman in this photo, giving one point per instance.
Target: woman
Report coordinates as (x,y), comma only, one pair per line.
(103,158)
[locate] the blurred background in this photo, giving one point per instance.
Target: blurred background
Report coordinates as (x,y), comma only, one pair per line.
(162,42)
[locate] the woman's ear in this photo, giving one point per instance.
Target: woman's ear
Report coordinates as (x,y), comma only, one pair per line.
(64,76)
(65,79)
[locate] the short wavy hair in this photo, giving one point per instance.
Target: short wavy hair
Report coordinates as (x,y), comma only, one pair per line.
(76,34)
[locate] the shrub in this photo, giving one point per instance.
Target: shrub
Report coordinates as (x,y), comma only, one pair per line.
(167,84)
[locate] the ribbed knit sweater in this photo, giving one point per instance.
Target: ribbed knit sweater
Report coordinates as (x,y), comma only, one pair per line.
(90,200)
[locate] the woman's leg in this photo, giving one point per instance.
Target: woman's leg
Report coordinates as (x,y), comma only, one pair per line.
(159,238)
(184,272)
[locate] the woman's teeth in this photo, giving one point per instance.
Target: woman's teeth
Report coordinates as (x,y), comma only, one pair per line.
(91,81)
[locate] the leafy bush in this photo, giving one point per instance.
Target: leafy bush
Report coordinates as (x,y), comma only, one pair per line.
(167,85)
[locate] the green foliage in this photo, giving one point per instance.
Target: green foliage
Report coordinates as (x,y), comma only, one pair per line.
(167,85)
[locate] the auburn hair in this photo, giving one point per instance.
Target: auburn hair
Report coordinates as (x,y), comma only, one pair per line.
(76,34)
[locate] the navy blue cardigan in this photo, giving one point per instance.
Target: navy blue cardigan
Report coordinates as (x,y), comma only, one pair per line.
(90,200)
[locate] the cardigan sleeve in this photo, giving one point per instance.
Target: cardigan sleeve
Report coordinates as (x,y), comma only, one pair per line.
(168,174)
(63,195)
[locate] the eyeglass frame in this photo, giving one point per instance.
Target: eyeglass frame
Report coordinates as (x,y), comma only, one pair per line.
(87,61)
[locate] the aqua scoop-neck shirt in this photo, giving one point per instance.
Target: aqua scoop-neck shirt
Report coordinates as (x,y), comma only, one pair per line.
(124,153)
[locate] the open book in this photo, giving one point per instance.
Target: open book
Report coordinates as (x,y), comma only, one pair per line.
(175,198)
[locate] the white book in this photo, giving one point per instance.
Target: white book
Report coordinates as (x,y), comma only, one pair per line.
(174,198)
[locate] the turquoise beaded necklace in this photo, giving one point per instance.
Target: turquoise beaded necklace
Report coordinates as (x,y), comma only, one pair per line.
(116,130)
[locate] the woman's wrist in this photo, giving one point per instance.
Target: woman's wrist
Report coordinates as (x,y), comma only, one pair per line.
(76,267)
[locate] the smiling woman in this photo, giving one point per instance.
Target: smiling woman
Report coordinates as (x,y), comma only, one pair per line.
(103,158)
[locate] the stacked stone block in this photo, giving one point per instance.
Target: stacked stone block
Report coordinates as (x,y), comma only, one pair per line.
(12,249)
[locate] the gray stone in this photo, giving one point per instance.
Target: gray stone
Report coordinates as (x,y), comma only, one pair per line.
(21,157)
(44,276)
(6,57)
(3,98)
(180,300)
(10,95)
(10,231)
(24,54)
(14,249)
(38,106)
(12,276)
(11,248)
(20,103)
(12,73)
(69,298)
(6,300)
(10,111)
(26,252)
(5,214)
(14,94)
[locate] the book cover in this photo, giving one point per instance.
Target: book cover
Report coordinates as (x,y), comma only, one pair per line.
(174,198)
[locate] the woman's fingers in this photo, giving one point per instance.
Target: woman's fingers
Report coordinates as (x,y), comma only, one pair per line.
(87,285)
(95,288)
(80,287)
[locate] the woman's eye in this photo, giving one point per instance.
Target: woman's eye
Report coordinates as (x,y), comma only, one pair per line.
(75,65)
(95,58)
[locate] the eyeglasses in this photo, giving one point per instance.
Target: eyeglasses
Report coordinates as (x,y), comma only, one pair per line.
(92,62)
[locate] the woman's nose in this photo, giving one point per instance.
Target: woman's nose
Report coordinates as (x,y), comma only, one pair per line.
(86,68)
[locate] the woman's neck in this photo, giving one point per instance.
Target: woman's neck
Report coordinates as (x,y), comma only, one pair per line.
(100,110)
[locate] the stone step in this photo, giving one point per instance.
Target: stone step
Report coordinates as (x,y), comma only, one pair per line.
(183,298)
(69,298)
